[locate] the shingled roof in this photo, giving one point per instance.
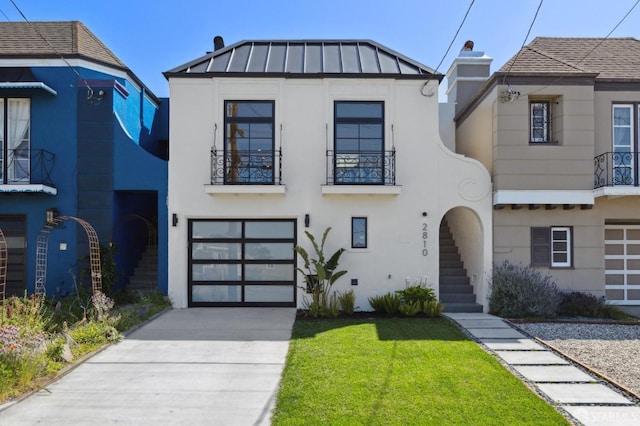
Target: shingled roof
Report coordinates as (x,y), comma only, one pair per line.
(68,38)
(611,58)
(305,58)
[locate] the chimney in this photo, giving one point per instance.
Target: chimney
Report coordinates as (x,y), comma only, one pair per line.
(467,74)
(218,43)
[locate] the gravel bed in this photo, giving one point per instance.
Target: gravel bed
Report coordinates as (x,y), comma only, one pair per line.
(612,350)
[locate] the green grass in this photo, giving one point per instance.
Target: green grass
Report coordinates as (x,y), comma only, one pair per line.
(399,371)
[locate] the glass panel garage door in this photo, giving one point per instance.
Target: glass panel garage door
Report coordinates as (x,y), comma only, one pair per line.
(242,263)
(622,264)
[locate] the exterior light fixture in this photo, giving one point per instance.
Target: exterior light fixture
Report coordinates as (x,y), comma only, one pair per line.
(307,220)
(174,220)
(52,213)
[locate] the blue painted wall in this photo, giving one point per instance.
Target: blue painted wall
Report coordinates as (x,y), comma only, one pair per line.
(102,169)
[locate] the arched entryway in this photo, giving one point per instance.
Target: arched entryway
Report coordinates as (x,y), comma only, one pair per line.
(42,249)
(464,261)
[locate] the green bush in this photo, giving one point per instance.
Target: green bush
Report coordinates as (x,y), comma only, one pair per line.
(410,309)
(522,292)
(388,303)
(578,304)
(433,308)
(347,302)
(417,293)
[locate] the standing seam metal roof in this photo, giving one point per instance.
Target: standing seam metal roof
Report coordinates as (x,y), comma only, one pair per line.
(306,58)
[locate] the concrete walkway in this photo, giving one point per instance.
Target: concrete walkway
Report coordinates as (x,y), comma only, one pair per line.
(586,397)
(198,366)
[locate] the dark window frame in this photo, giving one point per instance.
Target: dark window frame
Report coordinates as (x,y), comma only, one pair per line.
(337,120)
(353,232)
(229,180)
(542,250)
(547,124)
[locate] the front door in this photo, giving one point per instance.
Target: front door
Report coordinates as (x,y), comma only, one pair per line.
(15,232)
(241,262)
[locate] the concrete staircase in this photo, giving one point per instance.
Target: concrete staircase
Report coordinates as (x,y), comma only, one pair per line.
(145,276)
(456,292)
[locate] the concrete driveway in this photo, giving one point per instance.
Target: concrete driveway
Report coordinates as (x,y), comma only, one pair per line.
(198,366)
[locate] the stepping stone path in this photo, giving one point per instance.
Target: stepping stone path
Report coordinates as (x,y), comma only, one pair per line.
(587,398)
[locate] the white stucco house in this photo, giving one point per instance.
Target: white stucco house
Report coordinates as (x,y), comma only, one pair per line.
(273,138)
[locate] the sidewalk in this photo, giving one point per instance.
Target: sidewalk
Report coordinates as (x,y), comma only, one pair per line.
(198,366)
(587,398)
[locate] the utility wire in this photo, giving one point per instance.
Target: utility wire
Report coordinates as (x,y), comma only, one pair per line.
(447,52)
(525,40)
(592,50)
(5,15)
(53,48)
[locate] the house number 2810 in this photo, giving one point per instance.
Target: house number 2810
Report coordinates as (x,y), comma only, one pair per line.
(424,240)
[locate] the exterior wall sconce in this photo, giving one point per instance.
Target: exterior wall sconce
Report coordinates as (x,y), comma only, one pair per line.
(174,220)
(52,213)
(307,220)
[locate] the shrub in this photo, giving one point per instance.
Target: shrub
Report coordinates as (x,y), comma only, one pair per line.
(417,293)
(433,308)
(388,303)
(410,309)
(347,301)
(578,304)
(522,292)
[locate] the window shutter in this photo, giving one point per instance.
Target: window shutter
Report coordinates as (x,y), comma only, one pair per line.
(540,246)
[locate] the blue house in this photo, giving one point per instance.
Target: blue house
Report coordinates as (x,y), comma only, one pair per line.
(82,137)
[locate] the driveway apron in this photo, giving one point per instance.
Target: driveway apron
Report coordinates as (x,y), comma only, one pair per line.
(197,366)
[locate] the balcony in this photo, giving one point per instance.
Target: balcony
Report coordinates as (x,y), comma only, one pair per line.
(616,173)
(361,172)
(246,172)
(27,170)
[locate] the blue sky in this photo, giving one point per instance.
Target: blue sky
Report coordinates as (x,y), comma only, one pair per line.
(152,36)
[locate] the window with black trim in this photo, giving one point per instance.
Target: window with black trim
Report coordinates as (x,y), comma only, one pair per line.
(249,142)
(359,143)
(358,232)
(552,247)
(15,140)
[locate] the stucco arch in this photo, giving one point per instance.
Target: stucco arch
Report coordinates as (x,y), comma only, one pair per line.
(42,248)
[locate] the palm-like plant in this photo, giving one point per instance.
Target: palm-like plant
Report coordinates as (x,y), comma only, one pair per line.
(319,272)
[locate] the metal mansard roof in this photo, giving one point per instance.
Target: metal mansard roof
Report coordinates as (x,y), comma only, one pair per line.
(305,59)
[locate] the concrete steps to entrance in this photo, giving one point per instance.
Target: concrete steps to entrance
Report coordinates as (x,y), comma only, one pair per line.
(145,275)
(456,291)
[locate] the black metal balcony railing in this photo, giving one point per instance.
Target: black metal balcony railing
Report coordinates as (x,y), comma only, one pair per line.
(361,167)
(615,169)
(26,166)
(246,167)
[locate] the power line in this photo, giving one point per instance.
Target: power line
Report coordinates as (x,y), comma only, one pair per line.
(525,39)
(592,50)
(5,15)
(447,52)
(53,48)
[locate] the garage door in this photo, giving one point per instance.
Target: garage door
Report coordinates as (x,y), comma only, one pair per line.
(242,262)
(622,264)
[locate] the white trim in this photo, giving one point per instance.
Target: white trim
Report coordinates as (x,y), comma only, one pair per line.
(28,85)
(567,241)
(625,271)
(506,196)
(616,191)
(245,189)
(38,188)
(361,189)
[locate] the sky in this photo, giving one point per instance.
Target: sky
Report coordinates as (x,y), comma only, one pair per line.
(153,36)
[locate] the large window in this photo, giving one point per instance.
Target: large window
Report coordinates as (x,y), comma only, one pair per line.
(249,142)
(552,247)
(359,143)
(15,120)
(242,262)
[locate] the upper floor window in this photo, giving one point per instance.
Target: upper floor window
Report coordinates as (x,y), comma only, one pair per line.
(359,143)
(623,162)
(540,116)
(249,142)
(15,140)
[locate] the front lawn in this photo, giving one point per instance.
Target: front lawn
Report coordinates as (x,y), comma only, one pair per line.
(399,371)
